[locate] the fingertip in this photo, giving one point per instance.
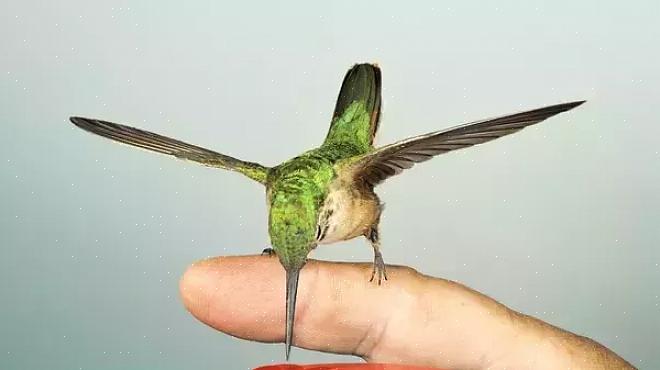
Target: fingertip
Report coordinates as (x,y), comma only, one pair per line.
(234,294)
(193,289)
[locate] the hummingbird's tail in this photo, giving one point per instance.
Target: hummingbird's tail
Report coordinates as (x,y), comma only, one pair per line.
(355,120)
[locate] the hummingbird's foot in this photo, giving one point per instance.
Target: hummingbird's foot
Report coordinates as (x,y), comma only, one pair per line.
(268,252)
(379,268)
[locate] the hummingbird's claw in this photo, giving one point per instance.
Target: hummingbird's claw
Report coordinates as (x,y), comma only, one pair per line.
(268,252)
(379,267)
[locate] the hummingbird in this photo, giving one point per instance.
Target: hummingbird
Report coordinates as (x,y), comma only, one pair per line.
(326,194)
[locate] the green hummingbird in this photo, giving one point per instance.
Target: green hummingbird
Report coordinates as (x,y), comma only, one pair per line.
(326,194)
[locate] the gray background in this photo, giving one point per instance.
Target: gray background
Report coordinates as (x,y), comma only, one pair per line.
(559,221)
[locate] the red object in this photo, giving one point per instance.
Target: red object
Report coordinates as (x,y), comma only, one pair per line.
(361,366)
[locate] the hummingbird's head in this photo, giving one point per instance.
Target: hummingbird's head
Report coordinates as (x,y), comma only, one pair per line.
(292,227)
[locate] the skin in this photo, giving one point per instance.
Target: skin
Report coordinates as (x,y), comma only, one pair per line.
(435,322)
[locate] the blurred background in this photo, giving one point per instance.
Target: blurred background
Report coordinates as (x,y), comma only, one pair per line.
(560,221)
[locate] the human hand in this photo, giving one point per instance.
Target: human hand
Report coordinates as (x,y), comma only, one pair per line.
(411,319)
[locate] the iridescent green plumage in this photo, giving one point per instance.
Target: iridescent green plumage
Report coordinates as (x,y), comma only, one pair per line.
(327,194)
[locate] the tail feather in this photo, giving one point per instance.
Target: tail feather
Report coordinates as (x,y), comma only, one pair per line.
(356,115)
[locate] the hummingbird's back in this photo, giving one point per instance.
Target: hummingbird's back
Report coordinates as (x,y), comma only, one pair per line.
(355,119)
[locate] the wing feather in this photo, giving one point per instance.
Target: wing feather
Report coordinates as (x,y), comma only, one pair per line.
(165,145)
(390,160)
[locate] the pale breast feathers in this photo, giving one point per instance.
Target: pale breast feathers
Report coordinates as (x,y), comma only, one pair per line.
(346,214)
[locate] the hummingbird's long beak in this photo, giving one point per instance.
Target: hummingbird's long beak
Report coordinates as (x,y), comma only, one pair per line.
(291,292)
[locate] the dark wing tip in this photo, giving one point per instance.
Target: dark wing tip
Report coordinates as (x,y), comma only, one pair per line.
(540,114)
(568,106)
(83,123)
(76,120)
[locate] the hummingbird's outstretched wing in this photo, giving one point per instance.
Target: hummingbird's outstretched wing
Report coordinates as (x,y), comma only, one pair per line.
(390,160)
(165,145)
